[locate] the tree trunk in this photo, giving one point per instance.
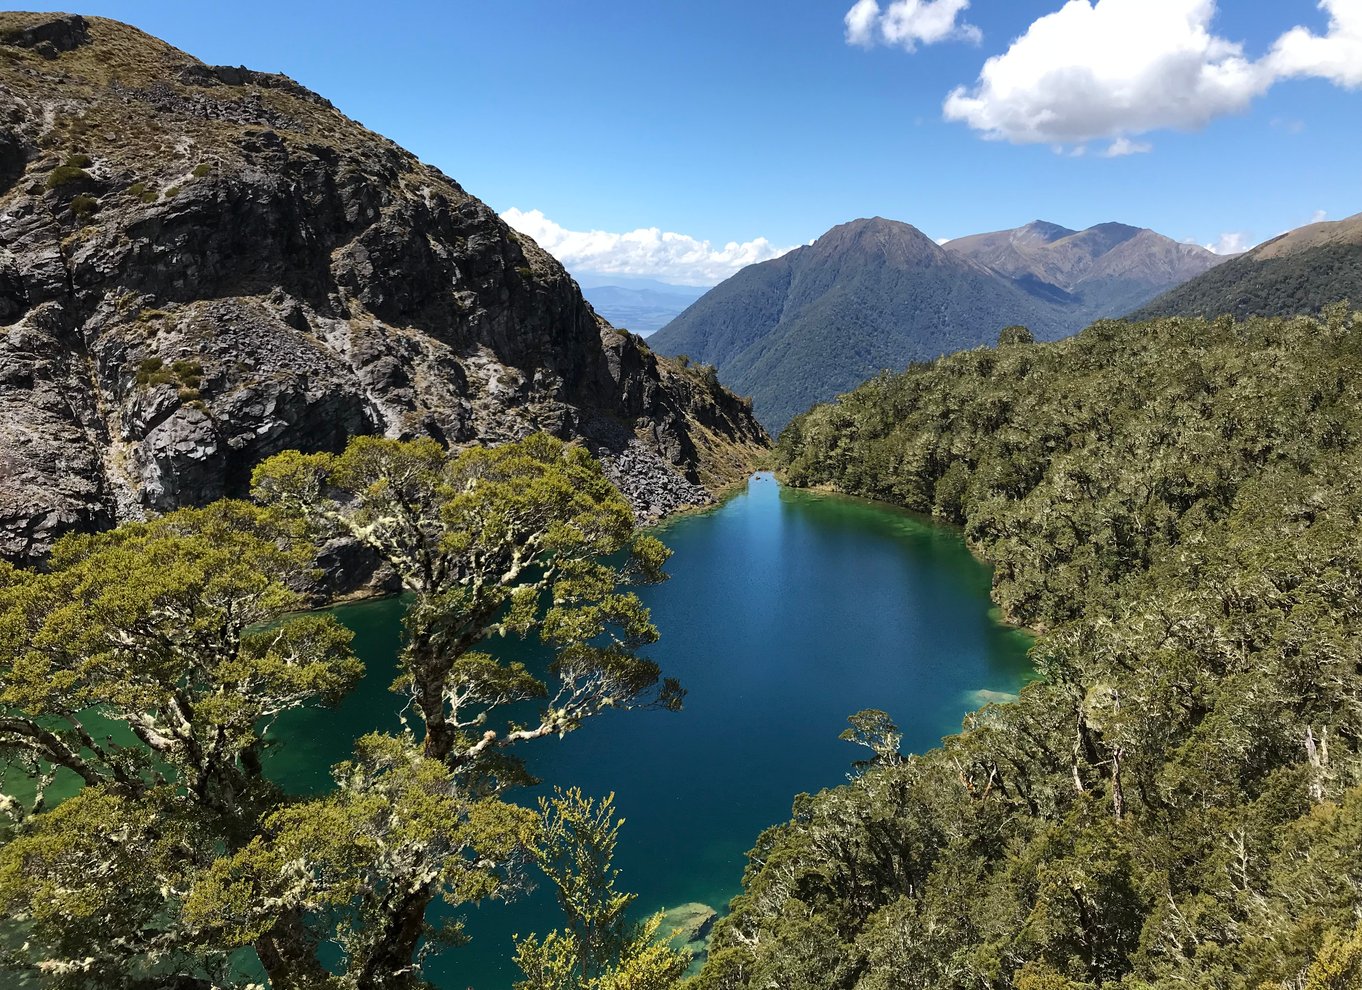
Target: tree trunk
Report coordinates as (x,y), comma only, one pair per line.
(288,954)
(390,966)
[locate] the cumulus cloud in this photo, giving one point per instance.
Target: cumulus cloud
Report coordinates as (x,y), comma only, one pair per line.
(1233,243)
(909,23)
(646,252)
(1123,146)
(1336,55)
(1110,69)
(1106,69)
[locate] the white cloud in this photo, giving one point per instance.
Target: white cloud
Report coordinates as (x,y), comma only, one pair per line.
(1112,69)
(1234,243)
(647,252)
(1319,216)
(1123,146)
(1107,69)
(861,21)
(1336,56)
(909,23)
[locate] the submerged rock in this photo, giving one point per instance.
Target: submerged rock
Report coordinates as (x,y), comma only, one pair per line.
(688,925)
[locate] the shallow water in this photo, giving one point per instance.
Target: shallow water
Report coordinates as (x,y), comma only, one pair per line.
(786,611)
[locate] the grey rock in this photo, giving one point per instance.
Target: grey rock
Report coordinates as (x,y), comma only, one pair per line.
(201,266)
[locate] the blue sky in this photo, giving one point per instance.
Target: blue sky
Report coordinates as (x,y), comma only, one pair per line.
(765,123)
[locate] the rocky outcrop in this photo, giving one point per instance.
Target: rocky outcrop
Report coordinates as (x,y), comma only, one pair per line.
(203,265)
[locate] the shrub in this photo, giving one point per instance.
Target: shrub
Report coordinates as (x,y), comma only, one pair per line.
(64,175)
(152,372)
(1015,335)
(202,169)
(84,206)
(190,373)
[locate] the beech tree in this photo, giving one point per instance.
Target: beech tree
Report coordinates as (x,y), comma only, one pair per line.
(1176,800)
(529,537)
(600,948)
(143,844)
(138,678)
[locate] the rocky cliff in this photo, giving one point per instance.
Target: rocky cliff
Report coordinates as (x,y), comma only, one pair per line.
(203,265)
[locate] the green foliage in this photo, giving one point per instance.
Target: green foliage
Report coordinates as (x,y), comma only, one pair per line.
(202,169)
(396,822)
(479,538)
(141,673)
(1301,283)
(64,175)
(84,206)
(1177,800)
(186,376)
(1338,966)
(874,730)
(600,948)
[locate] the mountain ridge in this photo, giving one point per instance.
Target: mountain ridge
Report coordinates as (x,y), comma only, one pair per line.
(875,293)
(202,265)
(1296,273)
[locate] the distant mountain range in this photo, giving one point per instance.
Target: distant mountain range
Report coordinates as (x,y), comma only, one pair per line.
(1299,272)
(874,294)
(1102,271)
(641,305)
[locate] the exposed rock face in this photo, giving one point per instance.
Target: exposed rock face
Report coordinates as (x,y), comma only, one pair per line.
(201,266)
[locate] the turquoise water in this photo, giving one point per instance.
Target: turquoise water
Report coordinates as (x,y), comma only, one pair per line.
(786,611)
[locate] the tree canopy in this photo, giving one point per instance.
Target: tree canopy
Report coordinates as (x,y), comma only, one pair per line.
(144,844)
(1176,799)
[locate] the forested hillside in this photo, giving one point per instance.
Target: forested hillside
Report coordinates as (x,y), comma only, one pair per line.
(818,321)
(1298,273)
(1174,801)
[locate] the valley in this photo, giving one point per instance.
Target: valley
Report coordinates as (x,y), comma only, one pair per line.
(380,610)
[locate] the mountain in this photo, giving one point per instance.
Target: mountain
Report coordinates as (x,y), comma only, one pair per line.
(876,294)
(640,309)
(1104,270)
(203,265)
(867,295)
(1299,272)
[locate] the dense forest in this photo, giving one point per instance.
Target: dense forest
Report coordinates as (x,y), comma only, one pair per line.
(1298,283)
(867,295)
(1174,800)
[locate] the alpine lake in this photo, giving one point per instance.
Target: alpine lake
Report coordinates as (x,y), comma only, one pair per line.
(785,612)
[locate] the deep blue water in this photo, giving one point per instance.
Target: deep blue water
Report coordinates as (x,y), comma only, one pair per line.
(785,612)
